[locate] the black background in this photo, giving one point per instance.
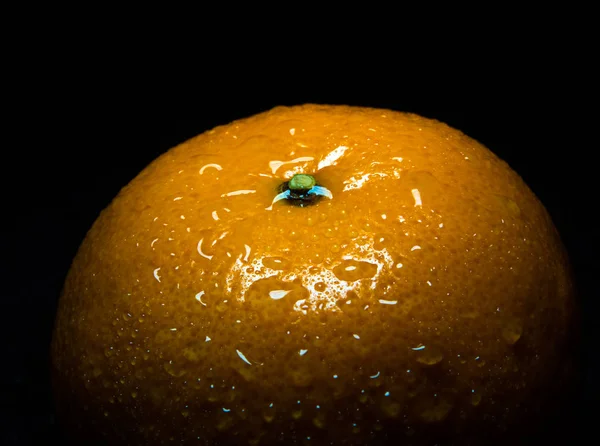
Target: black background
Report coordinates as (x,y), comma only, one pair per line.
(88,131)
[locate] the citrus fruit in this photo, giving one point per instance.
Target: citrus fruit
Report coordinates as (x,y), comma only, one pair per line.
(315,275)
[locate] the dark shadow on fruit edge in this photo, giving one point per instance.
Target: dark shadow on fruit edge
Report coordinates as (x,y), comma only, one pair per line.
(567,425)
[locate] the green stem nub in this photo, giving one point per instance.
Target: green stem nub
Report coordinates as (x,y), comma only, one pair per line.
(302,190)
(301,183)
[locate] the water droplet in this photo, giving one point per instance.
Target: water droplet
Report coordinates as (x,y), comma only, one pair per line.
(512,331)
(224,423)
(243,357)
(432,408)
(319,421)
(269,415)
(320,286)
(276,263)
(246,372)
(351,270)
(300,377)
(191,354)
(174,370)
(410,377)
(164,336)
(278,294)
(509,205)
(429,355)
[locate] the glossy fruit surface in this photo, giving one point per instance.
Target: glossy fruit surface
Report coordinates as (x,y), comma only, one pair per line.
(423,296)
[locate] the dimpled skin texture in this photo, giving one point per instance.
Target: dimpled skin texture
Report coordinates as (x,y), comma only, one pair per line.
(428,300)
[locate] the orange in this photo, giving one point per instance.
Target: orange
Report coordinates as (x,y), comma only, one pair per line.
(423,295)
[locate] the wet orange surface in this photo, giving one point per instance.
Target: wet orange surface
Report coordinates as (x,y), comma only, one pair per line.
(427,295)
